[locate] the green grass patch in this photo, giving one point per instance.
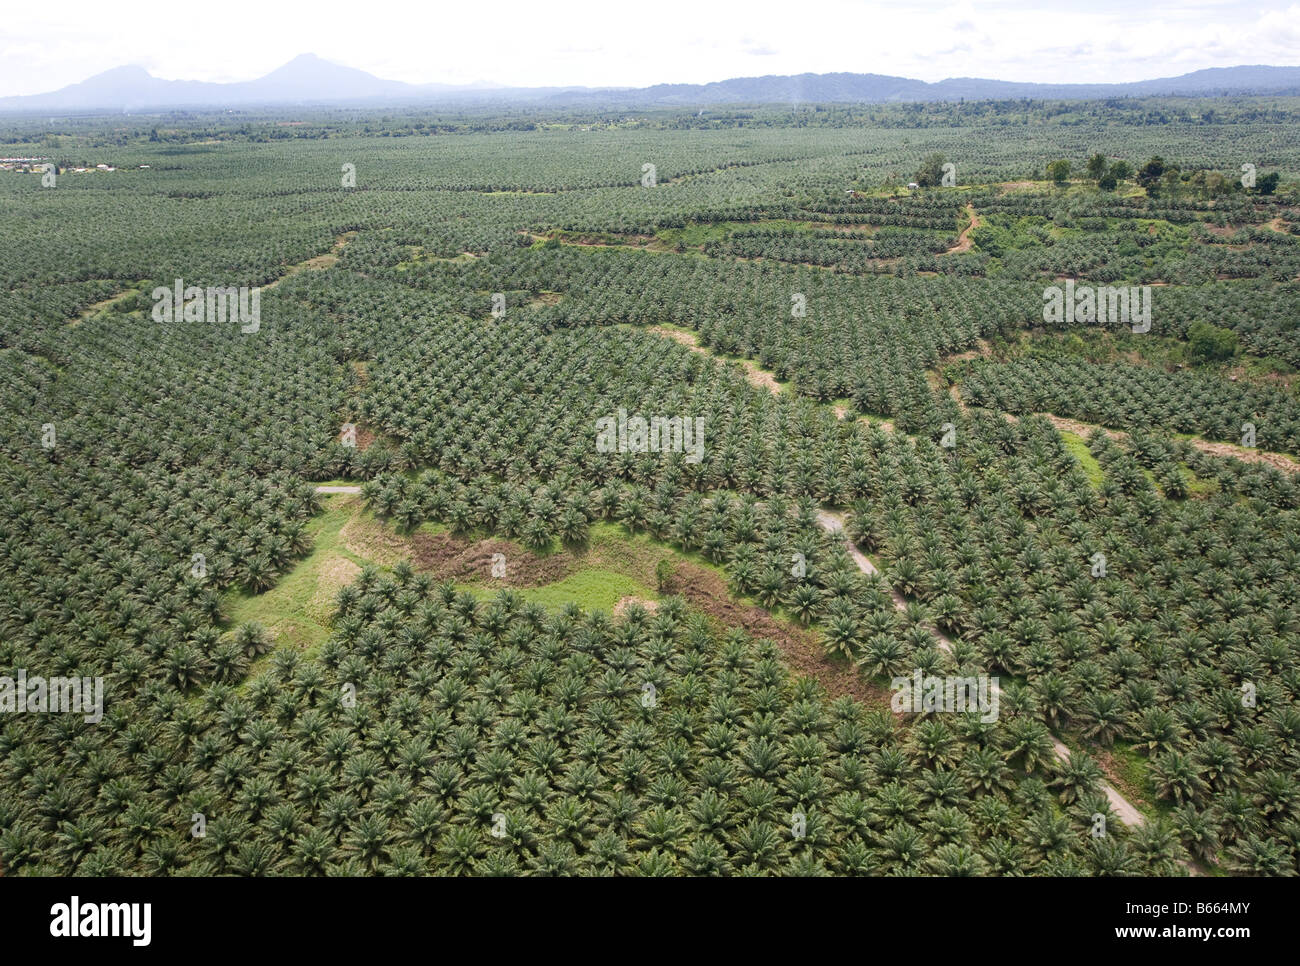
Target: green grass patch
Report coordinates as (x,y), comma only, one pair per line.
(297,609)
(592,588)
(616,539)
(1195,485)
(1000,232)
(613,563)
(1128,773)
(1266,366)
(1133,780)
(1077,447)
(698,233)
(1131,768)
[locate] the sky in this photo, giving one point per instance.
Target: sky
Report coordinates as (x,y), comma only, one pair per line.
(635,43)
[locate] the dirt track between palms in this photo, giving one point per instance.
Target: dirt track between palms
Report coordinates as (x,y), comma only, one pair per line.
(964,242)
(834,523)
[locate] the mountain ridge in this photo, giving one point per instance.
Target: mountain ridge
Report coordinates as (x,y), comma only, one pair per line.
(308,79)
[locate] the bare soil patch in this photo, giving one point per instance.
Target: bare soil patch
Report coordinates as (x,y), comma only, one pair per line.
(1110,768)
(365,437)
(319,262)
(687,339)
(966,356)
(1276,460)
(954,392)
(1080,428)
(449,557)
(708,592)
(963,240)
(760,377)
(624,603)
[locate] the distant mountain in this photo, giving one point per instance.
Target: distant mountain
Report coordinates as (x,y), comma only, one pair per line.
(307,79)
(877,88)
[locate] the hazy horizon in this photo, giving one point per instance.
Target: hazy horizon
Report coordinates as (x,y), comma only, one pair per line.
(509,43)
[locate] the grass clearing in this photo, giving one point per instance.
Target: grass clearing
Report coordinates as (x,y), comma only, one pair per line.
(592,588)
(1078,448)
(1197,487)
(346,537)
(108,305)
(297,609)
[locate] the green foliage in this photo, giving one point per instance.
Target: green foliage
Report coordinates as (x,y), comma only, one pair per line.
(1058,171)
(1210,343)
(195,438)
(664,574)
(930,173)
(1149,174)
(1122,395)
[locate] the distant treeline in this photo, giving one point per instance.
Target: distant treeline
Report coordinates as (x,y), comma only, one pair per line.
(290,124)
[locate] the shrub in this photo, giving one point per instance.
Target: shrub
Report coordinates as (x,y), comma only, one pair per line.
(1209,343)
